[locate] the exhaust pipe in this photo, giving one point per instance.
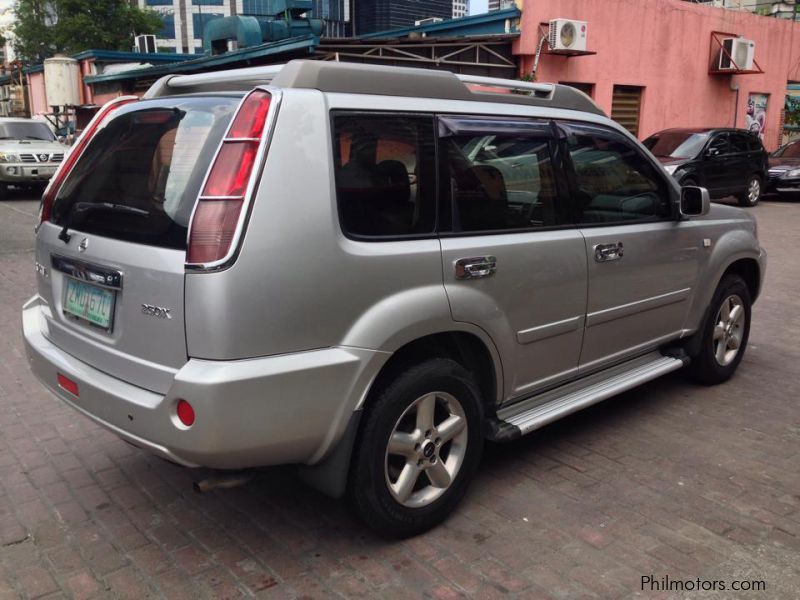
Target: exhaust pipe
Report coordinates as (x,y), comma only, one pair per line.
(226,481)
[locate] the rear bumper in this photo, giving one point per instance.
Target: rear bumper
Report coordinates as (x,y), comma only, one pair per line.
(287,409)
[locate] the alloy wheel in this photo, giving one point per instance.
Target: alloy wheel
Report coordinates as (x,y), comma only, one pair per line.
(754,190)
(729,330)
(426,449)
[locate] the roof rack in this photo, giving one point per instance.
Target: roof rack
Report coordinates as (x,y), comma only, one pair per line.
(357,78)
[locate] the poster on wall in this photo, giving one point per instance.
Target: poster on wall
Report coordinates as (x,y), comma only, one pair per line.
(756,116)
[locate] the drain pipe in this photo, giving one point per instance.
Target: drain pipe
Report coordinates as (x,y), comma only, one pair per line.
(539,47)
(734,87)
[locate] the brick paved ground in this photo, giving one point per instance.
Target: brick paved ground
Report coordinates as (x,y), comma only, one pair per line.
(670,479)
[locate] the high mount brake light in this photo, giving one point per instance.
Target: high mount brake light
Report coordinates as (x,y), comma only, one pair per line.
(74,153)
(219,211)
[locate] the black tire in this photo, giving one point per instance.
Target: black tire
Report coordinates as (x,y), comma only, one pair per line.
(705,368)
(745,198)
(368,484)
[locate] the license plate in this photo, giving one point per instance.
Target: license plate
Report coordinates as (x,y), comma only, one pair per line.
(89,302)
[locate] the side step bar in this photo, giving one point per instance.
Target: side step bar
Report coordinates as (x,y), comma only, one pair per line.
(535,412)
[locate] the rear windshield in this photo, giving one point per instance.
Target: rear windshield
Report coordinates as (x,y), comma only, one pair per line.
(789,151)
(676,144)
(144,169)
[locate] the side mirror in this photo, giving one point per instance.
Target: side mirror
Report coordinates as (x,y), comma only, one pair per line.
(712,152)
(695,201)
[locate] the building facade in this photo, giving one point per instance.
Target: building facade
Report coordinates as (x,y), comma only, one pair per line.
(336,15)
(652,65)
(371,16)
(184,21)
(460,8)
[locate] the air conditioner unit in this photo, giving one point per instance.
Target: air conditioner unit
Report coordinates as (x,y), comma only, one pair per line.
(738,49)
(146,44)
(566,34)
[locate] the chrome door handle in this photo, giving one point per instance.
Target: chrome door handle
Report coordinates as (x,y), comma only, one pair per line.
(607,252)
(475,267)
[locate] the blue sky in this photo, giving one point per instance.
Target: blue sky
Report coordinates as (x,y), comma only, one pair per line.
(477,6)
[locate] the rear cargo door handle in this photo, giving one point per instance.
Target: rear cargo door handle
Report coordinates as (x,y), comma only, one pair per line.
(607,252)
(475,267)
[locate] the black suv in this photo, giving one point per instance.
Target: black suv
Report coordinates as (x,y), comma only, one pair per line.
(729,162)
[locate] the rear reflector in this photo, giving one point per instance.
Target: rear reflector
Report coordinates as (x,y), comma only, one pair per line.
(221,206)
(185,413)
(67,384)
(74,153)
(213,227)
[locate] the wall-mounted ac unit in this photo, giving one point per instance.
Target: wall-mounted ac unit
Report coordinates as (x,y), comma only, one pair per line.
(146,44)
(567,34)
(740,50)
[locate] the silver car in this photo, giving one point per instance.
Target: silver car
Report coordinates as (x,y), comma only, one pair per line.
(29,153)
(368,271)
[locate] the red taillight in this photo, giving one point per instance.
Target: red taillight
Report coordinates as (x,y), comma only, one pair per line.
(185,413)
(67,384)
(231,171)
(219,209)
(74,154)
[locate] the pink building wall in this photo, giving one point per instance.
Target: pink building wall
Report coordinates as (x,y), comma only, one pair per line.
(664,47)
(37,97)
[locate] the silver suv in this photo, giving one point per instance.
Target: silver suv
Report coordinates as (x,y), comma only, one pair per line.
(368,271)
(29,153)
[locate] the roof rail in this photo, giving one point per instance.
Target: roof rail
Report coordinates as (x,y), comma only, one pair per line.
(508,84)
(358,78)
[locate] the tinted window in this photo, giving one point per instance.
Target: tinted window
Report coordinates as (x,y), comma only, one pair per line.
(152,157)
(754,144)
(740,142)
(385,174)
(25,131)
(501,180)
(676,144)
(613,180)
(719,145)
(789,151)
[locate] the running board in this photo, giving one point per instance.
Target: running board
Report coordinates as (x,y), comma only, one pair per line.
(535,412)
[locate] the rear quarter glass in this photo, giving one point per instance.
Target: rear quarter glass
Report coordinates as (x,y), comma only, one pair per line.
(152,156)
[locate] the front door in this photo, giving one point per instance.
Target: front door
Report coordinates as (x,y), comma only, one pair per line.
(642,262)
(512,262)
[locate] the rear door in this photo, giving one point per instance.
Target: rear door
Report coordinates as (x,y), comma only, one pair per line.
(714,164)
(642,262)
(513,263)
(115,244)
(740,163)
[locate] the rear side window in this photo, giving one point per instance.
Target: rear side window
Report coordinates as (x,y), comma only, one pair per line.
(613,180)
(385,174)
(740,142)
(501,175)
(140,176)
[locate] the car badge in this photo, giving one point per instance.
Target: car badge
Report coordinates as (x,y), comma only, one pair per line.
(83,245)
(43,157)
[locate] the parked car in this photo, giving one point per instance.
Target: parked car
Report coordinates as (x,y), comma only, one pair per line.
(29,153)
(727,162)
(784,170)
(366,271)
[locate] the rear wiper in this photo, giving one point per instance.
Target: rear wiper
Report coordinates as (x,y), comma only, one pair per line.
(82,209)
